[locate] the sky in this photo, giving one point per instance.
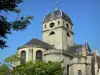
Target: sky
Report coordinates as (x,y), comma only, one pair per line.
(85,15)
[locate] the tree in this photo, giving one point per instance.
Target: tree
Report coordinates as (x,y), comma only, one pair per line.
(4,69)
(13,58)
(31,68)
(6,27)
(39,68)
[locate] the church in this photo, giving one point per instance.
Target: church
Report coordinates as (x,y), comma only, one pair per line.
(57,45)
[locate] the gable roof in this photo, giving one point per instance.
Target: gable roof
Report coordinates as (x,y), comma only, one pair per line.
(37,43)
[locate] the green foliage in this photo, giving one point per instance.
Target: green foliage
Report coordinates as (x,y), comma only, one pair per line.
(9,5)
(6,27)
(17,10)
(13,58)
(39,68)
(31,68)
(4,69)
(34,68)
(21,24)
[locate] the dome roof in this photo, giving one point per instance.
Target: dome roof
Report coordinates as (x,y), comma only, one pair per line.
(56,14)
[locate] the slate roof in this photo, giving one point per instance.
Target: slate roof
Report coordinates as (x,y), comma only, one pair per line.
(77,50)
(56,14)
(37,43)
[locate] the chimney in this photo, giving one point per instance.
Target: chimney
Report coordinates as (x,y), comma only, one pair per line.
(83,51)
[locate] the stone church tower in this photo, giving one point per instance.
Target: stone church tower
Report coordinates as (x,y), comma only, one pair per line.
(57,30)
(57,45)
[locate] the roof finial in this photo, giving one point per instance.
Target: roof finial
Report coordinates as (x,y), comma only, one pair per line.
(57,5)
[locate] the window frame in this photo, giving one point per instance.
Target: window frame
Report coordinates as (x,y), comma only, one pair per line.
(79,60)
(51,25)
(23,56)
(79,72)
(40,56)
(44,26)
(58,22)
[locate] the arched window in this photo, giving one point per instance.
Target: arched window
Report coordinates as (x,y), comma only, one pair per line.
(23,56)
(51,25)
(58,22)
(52,33)
(68,34)
(79,72)
(68,69)
(39,55)
(79,60)
(67,25)
(44,26)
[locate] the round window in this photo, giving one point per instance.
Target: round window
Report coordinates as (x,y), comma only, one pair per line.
(51,25)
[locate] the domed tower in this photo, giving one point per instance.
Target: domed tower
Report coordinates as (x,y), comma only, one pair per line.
(57,30)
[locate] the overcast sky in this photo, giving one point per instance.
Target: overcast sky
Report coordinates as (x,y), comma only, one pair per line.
(85,15)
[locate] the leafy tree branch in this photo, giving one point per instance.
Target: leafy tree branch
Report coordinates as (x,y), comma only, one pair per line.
(6,27)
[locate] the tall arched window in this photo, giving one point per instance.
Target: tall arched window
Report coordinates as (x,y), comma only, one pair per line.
(52,38)
(39,55)
(23,56)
